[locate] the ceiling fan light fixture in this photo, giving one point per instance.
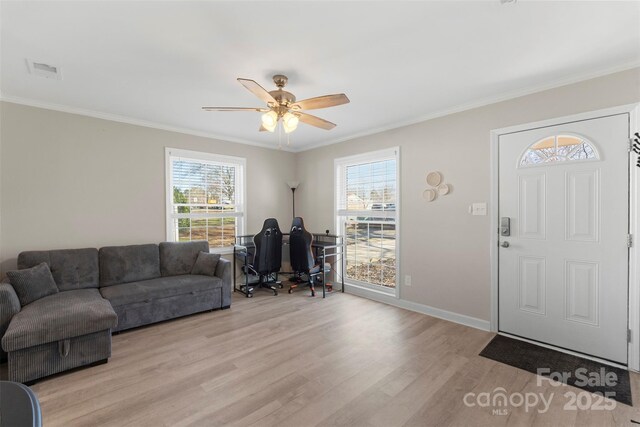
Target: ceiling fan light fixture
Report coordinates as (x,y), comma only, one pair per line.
(290,122)
(282,105)
(270,120)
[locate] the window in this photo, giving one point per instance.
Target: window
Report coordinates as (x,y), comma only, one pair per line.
(367,216)
(205,197)
(558,148)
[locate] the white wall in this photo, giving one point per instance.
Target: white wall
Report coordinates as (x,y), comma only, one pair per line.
(443,247)
(70,181)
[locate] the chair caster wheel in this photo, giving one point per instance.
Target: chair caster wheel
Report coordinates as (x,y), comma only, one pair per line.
(249,295)
(313,294)
(275,293)
(290,291)
(281,286)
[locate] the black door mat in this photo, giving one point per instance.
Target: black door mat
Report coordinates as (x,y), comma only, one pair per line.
(572,370)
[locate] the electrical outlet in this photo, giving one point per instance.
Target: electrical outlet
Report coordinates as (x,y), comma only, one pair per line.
(407,280)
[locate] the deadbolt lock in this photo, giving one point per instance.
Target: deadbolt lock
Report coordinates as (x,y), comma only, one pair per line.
(505,226)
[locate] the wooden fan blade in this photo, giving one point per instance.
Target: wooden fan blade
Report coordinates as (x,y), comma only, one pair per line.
(262,129)
(315,121)
(258,91)
(321,102)
(235,109)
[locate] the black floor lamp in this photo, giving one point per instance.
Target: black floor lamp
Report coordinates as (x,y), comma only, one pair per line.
(293,185)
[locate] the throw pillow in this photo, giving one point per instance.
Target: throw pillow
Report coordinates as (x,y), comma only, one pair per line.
(206,264)
(33,283)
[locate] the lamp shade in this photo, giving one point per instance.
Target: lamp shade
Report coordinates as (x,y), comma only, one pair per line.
(270,120)
(290,122)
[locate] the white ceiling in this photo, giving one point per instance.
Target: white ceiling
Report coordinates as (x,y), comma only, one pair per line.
(399,62)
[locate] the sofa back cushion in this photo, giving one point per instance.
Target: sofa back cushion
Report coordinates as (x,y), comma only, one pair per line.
(71,268)
(124,264)
(178,258)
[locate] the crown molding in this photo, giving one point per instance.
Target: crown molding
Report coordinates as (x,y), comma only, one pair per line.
(433,115)
(482,103)
(132,121)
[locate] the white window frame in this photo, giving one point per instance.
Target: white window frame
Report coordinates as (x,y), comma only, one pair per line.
(339,166)
(241,203)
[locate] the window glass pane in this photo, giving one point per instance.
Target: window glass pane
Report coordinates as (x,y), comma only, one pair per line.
(559,148)
(198,233)
(203,183)
(371,250)
(215,232)
(582,151)
(370,186)
(184,233)
(544,143)
(203,190)
(229,231)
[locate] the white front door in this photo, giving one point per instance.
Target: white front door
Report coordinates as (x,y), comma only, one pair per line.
(563,278)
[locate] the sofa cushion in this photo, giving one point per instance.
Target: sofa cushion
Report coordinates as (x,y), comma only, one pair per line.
(164,287)
(177,258)
(206,264)
(33,283)
(124,264)
(60,316)
(70,268)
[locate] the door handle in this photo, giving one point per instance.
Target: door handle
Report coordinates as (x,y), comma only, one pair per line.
(504,244)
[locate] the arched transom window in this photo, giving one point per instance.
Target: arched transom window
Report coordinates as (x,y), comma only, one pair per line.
(558,148)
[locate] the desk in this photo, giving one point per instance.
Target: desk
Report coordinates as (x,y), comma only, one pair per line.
(325,246)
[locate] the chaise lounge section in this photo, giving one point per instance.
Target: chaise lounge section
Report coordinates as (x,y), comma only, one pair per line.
(62,331)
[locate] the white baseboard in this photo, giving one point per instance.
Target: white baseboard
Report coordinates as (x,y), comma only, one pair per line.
(419,308)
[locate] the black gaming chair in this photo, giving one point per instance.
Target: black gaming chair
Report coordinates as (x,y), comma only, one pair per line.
(303,264)
(265,258)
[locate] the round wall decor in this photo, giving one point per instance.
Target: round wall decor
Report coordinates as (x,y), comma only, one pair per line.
(429,195)
(434,178)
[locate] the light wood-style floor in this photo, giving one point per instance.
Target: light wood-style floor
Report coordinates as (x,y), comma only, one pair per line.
(297,361)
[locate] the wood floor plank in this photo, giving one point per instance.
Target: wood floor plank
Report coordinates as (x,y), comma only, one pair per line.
(297,361)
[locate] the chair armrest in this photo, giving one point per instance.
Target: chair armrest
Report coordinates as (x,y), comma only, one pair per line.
(9,306)
(223,271)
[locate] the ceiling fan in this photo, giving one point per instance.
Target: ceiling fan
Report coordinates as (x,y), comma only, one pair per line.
(282,106)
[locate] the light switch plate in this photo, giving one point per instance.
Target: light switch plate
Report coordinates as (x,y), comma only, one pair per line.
(479,209)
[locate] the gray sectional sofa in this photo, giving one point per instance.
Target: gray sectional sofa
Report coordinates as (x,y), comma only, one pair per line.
(113,289)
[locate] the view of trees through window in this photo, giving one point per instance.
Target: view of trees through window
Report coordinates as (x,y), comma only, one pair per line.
(204,202)
(368,200)
(558,148)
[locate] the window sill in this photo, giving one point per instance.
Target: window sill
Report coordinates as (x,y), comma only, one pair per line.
(222,251)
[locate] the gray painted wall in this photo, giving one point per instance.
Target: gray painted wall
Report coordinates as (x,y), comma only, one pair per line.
(70,181)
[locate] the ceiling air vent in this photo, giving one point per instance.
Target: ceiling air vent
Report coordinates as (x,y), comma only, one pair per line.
(45,70)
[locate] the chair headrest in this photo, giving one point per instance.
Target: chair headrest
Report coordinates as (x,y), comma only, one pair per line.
(270,224)
(297,224)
